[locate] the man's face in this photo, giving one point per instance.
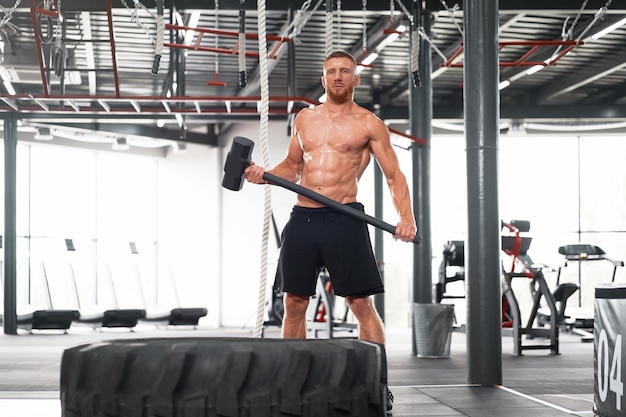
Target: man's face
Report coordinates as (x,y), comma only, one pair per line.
(340,79)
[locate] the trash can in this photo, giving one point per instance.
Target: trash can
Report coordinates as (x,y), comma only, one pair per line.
(609,349)
(432,325)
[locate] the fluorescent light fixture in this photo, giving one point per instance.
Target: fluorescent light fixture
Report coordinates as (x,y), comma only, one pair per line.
(609,29)
(43,133)
(322,98)
(120,144)
(179,147)
(504,84)
(369,59)
(401,142)
(359,69)
(194,18)
(8,74)
(534,69)
(9,87)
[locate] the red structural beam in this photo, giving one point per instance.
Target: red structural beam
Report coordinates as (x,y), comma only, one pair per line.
(523,60)
(233,51)
(226,32)
(40,58)
(209,49)
(116,75)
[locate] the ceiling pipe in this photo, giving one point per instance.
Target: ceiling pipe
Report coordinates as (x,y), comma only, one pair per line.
(40,54)
(116,75)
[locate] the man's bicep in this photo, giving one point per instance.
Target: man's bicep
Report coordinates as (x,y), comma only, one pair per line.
(384,152)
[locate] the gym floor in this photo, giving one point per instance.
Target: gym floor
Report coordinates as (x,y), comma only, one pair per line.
(537,384)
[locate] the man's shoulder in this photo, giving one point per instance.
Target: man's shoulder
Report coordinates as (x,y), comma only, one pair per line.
(307,112)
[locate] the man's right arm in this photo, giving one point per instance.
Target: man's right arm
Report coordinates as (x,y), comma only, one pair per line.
(289,168)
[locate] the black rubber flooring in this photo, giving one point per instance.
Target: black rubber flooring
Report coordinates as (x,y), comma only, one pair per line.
(534,385)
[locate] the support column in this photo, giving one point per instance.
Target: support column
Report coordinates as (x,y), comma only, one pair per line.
(421,114)
(10,220)
(379,243)
(482,256)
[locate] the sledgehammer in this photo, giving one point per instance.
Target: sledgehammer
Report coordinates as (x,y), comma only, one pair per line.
(238,160)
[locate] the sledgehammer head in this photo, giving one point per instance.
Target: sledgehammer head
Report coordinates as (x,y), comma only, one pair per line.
(237,161)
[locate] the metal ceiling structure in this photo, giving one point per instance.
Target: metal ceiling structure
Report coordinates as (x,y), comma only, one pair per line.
(90,64)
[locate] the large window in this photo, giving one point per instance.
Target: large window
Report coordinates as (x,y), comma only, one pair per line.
(78,215)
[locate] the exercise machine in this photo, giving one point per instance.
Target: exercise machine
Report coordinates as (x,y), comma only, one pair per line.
(521,266)
(98,316)
(49,318)
(578,319)
(157,315)
(451,269)
(321,317)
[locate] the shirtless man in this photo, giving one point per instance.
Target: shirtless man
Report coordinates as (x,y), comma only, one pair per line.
(328,152)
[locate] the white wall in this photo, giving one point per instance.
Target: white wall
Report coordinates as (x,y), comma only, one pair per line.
(189,226)
(214,235)
(242,226)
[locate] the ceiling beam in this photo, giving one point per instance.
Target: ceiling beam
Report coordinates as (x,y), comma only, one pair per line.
(614,63)
(146,131)
(98,121)
(556,112)
(372,5)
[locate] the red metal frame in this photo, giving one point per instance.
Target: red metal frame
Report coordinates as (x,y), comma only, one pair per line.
(116,75)
(34,11)
(61,104)
(233,51)
(522,61)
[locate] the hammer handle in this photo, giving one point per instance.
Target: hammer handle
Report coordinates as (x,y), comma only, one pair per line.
(333,204)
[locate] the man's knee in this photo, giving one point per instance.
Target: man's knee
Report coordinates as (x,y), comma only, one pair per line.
(361,307)
(296,305)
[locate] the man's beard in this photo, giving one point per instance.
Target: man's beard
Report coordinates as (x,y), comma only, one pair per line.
(342,97)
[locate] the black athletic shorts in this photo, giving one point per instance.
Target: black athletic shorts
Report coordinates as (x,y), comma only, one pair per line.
(315,238)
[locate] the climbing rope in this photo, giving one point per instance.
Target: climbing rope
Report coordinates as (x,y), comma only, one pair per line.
(263,135)
(243,78)
(415,46)
(158,50)
(338,26)
(328,39)
(216,70)
(364,47)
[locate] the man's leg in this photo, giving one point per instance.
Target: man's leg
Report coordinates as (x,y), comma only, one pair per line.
(370,327)
(370,323)
(294,318)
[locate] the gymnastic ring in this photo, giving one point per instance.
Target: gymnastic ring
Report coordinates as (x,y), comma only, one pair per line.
(59,62)
(41,18)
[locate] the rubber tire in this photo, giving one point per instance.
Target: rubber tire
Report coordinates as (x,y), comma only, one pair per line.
(234,377)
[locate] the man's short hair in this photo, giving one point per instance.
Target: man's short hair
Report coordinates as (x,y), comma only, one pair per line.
(340,54)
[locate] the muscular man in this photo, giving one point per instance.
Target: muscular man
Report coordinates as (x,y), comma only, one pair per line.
(328,152)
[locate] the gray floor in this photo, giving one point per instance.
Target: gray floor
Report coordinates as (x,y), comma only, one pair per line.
(535,385)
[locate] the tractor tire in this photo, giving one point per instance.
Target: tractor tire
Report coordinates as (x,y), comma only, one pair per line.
(230,377)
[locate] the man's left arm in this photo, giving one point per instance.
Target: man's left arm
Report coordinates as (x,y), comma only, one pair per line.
(387,159)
